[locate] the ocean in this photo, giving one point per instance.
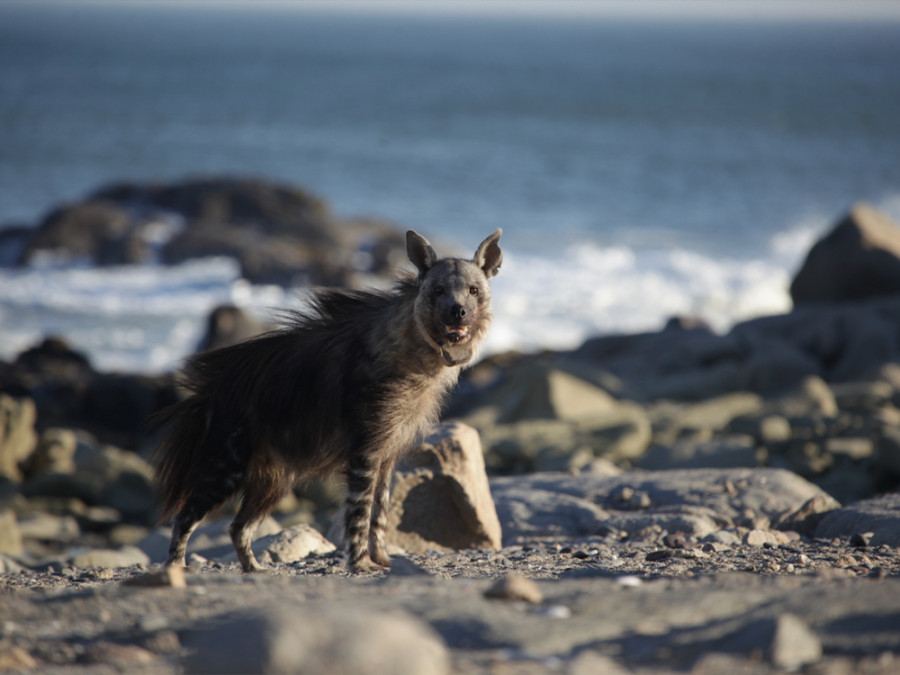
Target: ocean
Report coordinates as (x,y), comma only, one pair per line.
(640,169)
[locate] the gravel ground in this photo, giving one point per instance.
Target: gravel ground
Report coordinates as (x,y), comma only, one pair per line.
(600,606)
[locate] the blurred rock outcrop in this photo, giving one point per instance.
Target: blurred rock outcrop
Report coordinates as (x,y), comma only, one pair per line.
(279,234)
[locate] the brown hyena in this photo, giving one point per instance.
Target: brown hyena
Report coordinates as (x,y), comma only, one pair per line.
(347,386)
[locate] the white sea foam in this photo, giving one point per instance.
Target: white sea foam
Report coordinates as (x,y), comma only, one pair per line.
(147,319)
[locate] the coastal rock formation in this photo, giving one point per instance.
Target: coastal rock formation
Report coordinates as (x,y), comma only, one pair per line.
(279,234)
(857,260)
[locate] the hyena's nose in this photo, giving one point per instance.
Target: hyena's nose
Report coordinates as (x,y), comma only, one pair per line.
(458,312)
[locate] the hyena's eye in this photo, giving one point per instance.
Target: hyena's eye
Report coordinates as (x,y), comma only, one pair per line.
(438,290)
(473,290)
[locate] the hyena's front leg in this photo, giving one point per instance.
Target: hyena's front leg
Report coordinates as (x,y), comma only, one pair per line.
(377,545)
(362,479)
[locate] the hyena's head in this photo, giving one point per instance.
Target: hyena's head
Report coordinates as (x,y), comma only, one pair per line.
(453,308)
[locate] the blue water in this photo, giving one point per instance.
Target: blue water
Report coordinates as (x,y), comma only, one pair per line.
(675,166)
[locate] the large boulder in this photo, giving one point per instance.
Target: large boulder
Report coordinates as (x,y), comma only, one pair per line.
(96,231)
(858,259)
(441,496)
(69,393)
(279,234)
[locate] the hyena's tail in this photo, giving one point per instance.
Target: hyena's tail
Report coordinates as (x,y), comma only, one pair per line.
(178,458)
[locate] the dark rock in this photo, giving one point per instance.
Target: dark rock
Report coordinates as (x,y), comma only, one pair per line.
(858,259)
(279,234)
(96,232)
(69,393)
(861,539)
(228,325)
(13,239)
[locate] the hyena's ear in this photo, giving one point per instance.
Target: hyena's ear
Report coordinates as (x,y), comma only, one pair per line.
(489,257)
(420,252)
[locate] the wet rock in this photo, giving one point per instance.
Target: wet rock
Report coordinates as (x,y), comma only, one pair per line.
(441,495)
(92,232)
(514,587)
(858,259)
(278,234)
(316,639)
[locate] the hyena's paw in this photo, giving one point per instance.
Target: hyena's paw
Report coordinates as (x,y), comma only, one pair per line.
(381,558)
(252,566)
(366,564)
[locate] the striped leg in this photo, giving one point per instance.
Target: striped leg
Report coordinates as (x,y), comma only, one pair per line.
(361,485)
(380,509)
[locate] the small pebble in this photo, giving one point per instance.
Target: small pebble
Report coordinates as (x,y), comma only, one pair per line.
(654,556)
(556,612)
(514,587)
(861,540)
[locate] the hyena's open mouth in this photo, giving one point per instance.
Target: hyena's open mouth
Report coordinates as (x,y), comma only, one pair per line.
(456,333)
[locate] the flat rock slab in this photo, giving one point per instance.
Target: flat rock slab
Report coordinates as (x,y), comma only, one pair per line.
(695,501)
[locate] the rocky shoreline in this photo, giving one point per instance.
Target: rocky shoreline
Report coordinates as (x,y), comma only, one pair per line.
(672,501)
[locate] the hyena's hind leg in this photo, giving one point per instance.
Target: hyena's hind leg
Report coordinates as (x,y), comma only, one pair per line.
(206,497)
(380,508)
(213,487)
(265,486)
